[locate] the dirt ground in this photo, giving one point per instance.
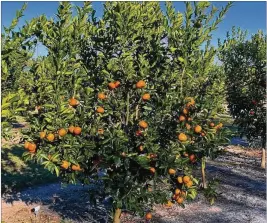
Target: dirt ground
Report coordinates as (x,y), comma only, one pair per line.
(242,198)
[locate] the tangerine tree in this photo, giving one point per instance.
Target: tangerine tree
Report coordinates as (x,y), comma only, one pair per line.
(244,62)
(113,98)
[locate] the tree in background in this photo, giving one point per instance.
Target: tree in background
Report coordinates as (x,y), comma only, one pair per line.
(244,62)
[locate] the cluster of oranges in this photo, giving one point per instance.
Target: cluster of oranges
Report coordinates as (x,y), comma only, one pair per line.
(65,165)
(30,146)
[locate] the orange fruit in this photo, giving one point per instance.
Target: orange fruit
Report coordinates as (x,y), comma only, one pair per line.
(181,118)
(62,132)
(117,83)
(148,216)
(77,130)
(143,124)
(101,96)
(180,200)
(198,129)
(100,131)
(140,148)
(71,129)
(138,133)
(171,171)
(192,158)
(212,124)
(111,85)
(185,154)
(32,147)
(168,204)
(140,84)
(50,137)
(76,167)
(183,194)
(186,179)
(42,135)
(177,191)
(100,110)
(190,119)
(185,111)
(123,154)
(153,155)
(188,127)
(180,180)
(189,184)
(152,170)
(65,164)
(26,145)
(73,102)
(203,134)
(146,97)
(182,137)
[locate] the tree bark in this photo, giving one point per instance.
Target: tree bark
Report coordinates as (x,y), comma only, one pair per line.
(117,216)
(203,173)
(263,158)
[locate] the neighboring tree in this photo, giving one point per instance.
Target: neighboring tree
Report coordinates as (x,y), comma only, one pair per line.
(129,96)
(244,62)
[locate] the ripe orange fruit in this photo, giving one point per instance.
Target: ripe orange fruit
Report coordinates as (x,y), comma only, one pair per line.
(152,170)
(101,96)
(168,204)
(180,180)
(71,129)
(32,147)
(153,155)
(190,119)
(192,158)
(42,135)
(203,134)
(111,85)
(138,133)
(212,124)
(140,148)
(50,137)
(26,145)
(65,164)
(185,111)
(186,179)
(62,132)
(73,102)
(188,127)
(100,110)
(146,97)
(77,130)
(140,84)
(117,83)
(180,200)
(182,137)
(181,118)
(76,167)
(189,184)
(148,216)
(198,129)
(143,124)
(171,171)
(177,191)
(100,131)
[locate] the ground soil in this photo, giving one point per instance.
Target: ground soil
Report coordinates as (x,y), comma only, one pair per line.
(242,198)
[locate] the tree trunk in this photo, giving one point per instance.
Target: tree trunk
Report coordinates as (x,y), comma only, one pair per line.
(263,160)
(203,173)
(117,216)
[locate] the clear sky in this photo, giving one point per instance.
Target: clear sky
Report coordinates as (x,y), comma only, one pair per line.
(247,15)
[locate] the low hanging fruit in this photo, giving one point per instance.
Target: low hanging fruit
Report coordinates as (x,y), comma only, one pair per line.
(171,171)
(111,86)
(117,84)
(32,147)
(152,170)
(177,191)
(212,124)
(141,148)
(186,179)
(143,124)
(101,96)
(77,130)
(188,127)
(62,132)
(100,110)
(42,135)
(182,137)
(71,129)
(180,200)
(198,129)
(100,131)
(168,204)
(26,145)
(185,111)
(148,216)
(146,97)
(65,164)
(138,133)
(50,137)
(76,167)
(180,180)
(73,102)
(140,84)
(192,158)
(181,118)
(189,184)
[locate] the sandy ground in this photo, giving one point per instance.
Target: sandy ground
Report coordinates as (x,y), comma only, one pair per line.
(242,198)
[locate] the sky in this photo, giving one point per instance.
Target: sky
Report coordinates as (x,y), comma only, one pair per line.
(246,15)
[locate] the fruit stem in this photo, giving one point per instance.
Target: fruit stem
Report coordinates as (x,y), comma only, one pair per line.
(127,112)
(263,158)
(203,173)
(117,216)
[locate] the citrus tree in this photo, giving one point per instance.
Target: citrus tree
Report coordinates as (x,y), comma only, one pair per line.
(244,62)
(116,101)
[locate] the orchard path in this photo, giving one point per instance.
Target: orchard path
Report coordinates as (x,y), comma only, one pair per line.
(242,198)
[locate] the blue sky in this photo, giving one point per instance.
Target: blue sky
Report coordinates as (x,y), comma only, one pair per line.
(247,15)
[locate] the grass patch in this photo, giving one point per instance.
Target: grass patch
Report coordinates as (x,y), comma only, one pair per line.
(17,175)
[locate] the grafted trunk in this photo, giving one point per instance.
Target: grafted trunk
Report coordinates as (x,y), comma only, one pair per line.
(117,216)
(203,173)
(263,158)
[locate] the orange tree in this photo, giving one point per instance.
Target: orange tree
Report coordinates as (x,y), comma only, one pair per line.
(112,96)
(244,63)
